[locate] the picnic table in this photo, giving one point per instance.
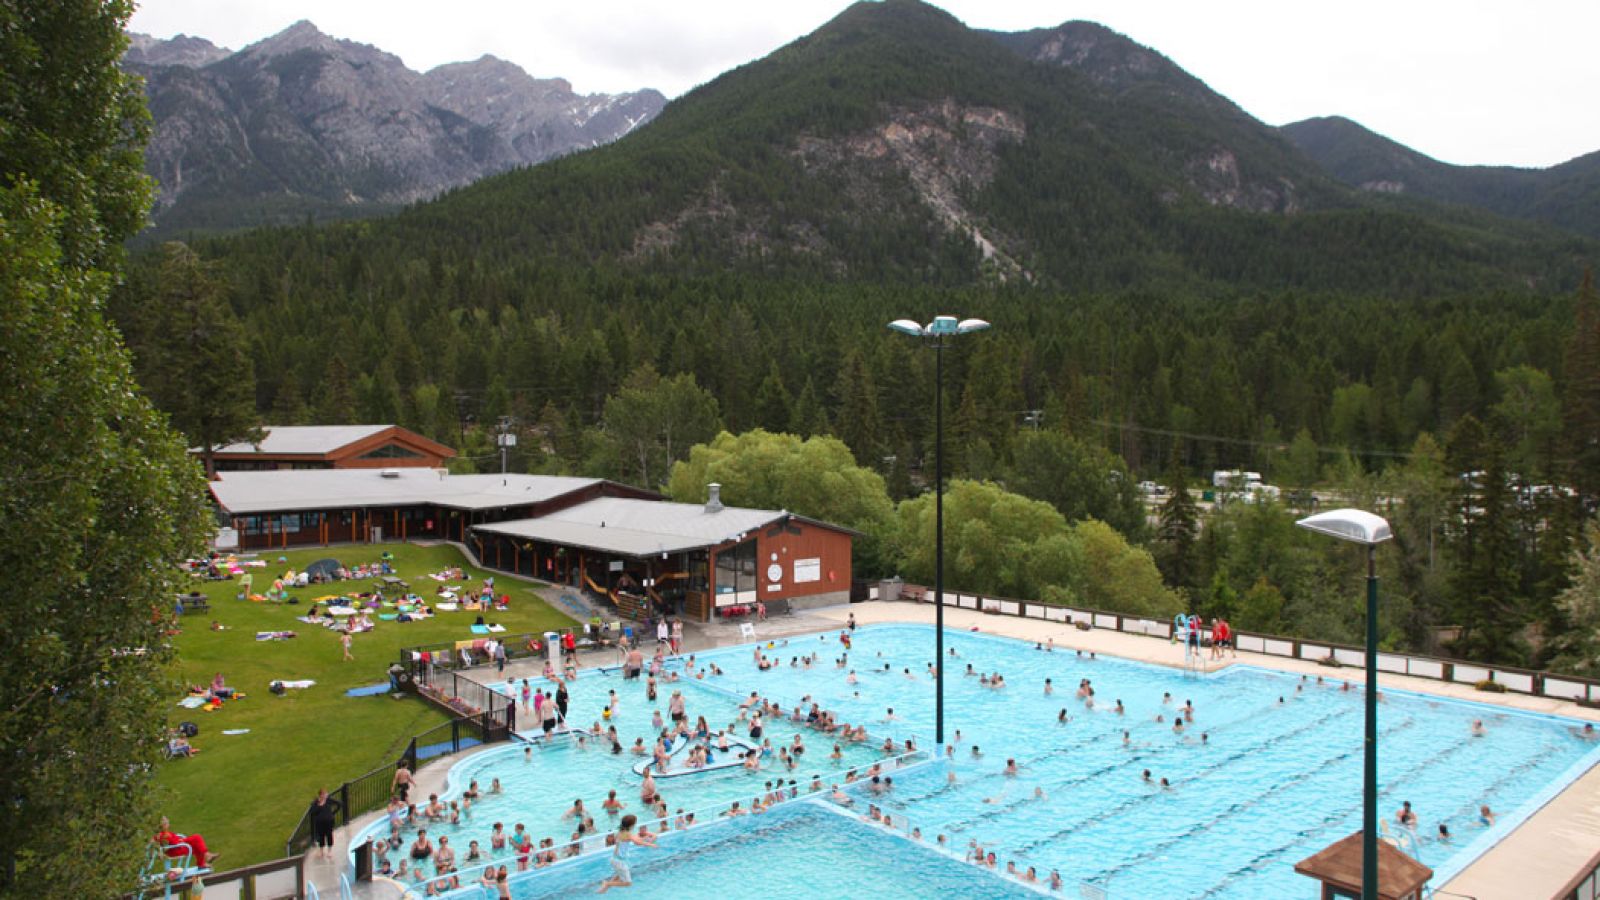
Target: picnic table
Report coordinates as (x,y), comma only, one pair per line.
(390,581)
(188,603)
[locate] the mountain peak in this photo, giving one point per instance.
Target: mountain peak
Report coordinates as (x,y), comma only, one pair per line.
(303,35)
(179,50)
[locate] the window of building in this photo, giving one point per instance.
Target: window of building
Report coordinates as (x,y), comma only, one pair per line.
(391,451)
(736,574)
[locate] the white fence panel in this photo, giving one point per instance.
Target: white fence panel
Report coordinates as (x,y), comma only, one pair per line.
(1278,648)
(1390,663)
(1251,643)
(1056,614)
(1010,607)
(1350,657)
(967,602)
(1034,612)
(1313,652)
(1104,621)
(1565,690)
(1470,674)
(1427,668)
(1515,681)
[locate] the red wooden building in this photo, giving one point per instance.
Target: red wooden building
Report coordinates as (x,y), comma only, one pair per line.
(332,447)
(695,560)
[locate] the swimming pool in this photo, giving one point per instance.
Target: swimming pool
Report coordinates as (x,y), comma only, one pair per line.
(1268,772)
(779,854)
(539,781)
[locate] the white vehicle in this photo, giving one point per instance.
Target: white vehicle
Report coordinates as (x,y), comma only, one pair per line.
(1234,479)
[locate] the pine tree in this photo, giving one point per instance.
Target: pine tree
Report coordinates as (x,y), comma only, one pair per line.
(335,400)
(1580,408)
(199,370)
(808,418)
(1178,532)
(774,405)
(857,410)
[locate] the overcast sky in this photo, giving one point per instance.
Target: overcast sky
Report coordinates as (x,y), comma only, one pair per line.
(1465,81)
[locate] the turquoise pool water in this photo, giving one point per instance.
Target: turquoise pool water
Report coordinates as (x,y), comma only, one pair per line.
(1275,777)
(797,850)
(540,781)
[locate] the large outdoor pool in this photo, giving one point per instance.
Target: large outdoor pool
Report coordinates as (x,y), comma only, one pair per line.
(1268,772)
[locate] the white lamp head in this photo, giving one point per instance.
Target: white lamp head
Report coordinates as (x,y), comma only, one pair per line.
(1354,525)
(970,325)
(906,326)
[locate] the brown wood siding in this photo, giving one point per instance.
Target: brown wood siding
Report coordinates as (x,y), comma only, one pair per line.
(831,549)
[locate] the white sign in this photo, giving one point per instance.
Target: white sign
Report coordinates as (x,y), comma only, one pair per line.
(807,570)
(774,572)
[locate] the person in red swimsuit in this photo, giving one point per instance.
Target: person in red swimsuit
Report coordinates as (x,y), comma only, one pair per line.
(176,844)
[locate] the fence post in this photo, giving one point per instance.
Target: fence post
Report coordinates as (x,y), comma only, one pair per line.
(344,802)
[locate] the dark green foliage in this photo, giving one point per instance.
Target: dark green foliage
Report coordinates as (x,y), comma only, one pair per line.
(98,497)
(1567,196)
(191,354)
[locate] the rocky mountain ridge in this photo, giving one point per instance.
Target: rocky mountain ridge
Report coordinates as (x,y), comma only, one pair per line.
(305,124)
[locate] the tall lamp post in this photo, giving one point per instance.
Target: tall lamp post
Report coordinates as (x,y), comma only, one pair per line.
(936,332)
(1368,530)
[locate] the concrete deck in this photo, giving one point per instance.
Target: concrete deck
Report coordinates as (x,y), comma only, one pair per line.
(1533,862)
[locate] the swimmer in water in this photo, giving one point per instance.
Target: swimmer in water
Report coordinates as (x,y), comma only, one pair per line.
(1146,776)
(1061,717)
(1048,688)
(1444,833)
(1011,768)
(1485,816)
(1477,731)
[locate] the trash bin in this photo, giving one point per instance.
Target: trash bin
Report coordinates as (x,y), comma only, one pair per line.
(552,648)
(889,588)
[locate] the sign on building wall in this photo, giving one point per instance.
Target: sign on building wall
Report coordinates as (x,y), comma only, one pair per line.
(807,570)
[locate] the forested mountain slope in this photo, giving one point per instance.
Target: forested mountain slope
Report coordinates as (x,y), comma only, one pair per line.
(1566,196)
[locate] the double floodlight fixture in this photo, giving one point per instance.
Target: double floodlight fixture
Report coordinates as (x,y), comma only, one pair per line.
(939,327)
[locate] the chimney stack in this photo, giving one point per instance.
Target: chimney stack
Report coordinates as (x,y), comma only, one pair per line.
(714,498)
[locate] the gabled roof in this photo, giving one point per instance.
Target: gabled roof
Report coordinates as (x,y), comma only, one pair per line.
(1339,864)
(249,493)
(304,439)
(640,527)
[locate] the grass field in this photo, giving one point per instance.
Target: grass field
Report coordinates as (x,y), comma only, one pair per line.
(245,793)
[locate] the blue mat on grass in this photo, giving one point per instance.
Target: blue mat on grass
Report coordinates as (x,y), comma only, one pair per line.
(368,690)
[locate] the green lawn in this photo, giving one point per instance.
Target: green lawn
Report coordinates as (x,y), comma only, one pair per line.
(245,793)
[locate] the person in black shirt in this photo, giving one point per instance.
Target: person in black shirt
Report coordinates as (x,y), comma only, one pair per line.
(324,814)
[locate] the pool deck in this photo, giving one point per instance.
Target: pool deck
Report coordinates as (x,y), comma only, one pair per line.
(1535,861)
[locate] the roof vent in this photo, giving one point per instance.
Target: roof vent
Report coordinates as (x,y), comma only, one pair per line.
(389,473)
(714,497)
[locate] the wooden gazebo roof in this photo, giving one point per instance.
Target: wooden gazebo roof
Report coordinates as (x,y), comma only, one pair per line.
(1339,864)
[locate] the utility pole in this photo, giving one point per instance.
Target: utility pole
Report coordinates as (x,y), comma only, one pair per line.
(506,440)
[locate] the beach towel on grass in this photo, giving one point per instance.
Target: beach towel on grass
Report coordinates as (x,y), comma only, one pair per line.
(480,629)
(192,702)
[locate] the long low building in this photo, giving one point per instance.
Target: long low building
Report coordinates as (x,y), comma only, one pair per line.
(646,554)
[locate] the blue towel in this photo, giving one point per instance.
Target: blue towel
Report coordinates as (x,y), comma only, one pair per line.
(480,629)
(368,690)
